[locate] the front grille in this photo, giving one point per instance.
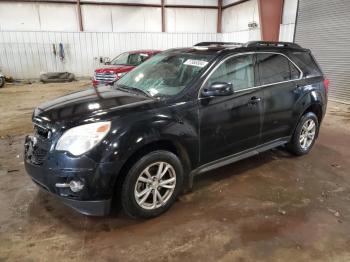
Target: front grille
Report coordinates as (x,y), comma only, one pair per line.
(39,155)
(105,77)
(35,151)
(38,146)
(42,132)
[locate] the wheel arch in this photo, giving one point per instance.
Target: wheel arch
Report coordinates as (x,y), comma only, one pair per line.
(162,144)
(315,108)
(311,101)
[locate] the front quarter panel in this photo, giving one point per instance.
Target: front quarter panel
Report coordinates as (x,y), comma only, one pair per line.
(176,123)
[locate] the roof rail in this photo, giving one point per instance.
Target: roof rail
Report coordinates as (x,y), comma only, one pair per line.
(274,44)
(217,43)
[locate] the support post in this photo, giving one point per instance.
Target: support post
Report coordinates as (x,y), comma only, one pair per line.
(80,19)
(270,12)
(219,22)
(163,15)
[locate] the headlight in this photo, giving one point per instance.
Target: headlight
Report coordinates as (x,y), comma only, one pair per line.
(119,75)
(81,139)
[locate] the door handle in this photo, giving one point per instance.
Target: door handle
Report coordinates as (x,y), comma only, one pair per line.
(254,100)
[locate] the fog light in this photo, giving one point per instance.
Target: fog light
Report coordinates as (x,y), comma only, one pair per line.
(76,186)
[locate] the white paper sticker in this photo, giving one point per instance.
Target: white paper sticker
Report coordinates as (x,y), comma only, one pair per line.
(198,63)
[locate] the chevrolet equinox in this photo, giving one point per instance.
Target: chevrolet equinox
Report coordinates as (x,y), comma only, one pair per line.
(182,112)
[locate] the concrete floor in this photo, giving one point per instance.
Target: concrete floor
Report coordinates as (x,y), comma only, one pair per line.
(271,207)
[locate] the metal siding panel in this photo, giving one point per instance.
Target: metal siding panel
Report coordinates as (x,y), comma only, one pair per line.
(323,27)
(28,54)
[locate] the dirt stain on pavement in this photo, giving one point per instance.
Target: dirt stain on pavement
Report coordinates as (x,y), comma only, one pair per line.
(271,207)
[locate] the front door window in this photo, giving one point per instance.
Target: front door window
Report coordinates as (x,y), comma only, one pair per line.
(238,70)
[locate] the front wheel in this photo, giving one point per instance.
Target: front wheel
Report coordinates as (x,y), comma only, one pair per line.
(2,81)
(152,184)
(304,135)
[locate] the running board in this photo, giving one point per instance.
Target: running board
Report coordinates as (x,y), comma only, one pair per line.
(239,156)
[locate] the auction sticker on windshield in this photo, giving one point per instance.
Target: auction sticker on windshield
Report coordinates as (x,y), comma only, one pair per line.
(193,62)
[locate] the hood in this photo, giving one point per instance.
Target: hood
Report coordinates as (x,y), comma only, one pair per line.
(87,104)
(114,69)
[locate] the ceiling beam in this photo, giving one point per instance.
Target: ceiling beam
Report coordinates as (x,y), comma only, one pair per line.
(87,2)
(41,1)
(193,6)
(235,3)
(90,2)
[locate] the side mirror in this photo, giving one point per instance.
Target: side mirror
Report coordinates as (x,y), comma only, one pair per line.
(218,89)
(107,61)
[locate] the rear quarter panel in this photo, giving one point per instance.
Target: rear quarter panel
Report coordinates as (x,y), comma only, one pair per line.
(310,92)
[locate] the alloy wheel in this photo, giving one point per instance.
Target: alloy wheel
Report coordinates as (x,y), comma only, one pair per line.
(307,134)
(155,185)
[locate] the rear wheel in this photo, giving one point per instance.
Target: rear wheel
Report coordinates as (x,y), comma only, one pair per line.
(305,134)
(152,184)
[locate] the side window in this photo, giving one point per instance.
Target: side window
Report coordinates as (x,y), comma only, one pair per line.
(307,63)
(238,70)
(294,72)
(274,68)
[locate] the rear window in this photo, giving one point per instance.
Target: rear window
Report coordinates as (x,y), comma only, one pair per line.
(307,63)
(275,68)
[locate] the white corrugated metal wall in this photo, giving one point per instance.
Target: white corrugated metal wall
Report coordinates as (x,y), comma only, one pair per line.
(29,31)
(236,18)
(27,54)
(288,20)
(34,16)
(287,32)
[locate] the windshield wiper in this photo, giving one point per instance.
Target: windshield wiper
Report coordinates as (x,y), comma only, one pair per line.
(128,89)
(146,93)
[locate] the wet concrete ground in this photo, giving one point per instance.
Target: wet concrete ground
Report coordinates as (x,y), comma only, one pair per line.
(271,207)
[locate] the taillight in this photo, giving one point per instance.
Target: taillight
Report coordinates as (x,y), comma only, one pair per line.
(326,84)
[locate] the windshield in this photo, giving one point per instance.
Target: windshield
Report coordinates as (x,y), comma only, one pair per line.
(165,74)
(129,59)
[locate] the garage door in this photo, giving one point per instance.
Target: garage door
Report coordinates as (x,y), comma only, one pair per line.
(324,27)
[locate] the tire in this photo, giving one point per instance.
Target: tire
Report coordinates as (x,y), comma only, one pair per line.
(299,146)
(2,81)
(144,206)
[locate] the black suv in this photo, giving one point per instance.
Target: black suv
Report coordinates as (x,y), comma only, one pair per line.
(183,112)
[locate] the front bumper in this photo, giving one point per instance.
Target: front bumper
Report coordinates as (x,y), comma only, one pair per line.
(90,208)
(60,168)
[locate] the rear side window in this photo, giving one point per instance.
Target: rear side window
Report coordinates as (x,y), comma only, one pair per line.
(275,68)
(307,63)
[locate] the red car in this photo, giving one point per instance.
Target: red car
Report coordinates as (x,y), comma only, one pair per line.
(120,65)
